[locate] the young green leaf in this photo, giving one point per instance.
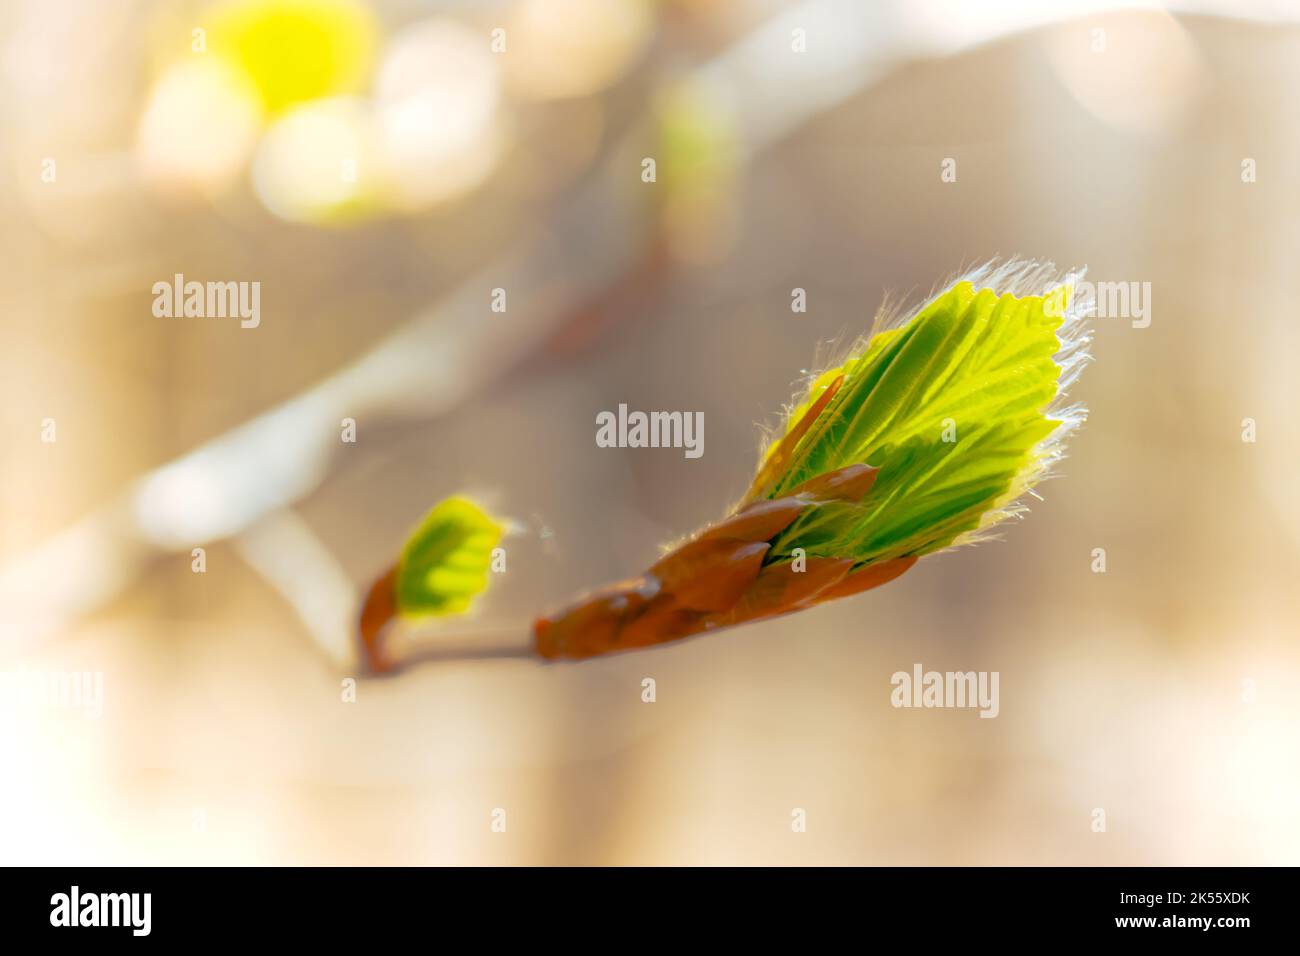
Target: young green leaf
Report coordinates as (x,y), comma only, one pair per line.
(922,439)
(445,562)
(953,406)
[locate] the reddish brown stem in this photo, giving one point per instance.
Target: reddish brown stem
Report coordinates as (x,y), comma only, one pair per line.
(717,579)
(379,609)
(380,656)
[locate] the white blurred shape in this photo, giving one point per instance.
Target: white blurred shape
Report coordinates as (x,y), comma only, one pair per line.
(288,554)
(438,93)
(948,26)
(199,126)
(215,490)
(316,162)
(1139,72)
(70,574)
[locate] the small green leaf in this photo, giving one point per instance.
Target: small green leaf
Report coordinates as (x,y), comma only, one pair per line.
(446,560)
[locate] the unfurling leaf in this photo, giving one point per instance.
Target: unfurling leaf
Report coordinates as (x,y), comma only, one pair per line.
(952,407)
(923,438)
(446,560)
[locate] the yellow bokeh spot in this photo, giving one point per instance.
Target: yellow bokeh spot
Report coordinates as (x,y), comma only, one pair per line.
(296,50)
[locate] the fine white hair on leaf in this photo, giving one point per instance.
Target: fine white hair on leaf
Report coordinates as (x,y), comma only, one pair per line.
(1024,277)
(1019,277)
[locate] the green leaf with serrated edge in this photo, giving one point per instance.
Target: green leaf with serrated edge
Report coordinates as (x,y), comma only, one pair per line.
(446,560)
(952,407)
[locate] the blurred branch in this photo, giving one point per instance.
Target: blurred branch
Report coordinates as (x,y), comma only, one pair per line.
(284,550)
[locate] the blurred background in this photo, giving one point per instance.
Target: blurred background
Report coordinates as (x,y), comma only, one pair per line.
(380,167)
